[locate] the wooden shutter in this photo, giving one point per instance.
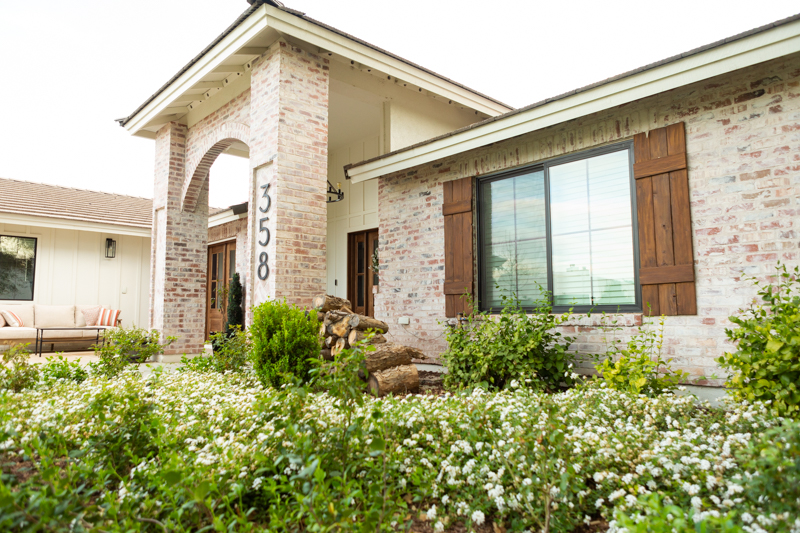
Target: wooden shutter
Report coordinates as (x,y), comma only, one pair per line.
(457,211)
(666,270)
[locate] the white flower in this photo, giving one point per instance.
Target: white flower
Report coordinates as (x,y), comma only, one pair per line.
(478,517)
(747,518)
(439,527)
(514,384)
(432,513)
(697,503)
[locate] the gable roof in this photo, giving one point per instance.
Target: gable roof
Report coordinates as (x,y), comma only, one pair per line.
(255,5)
(760,44)
(54,201)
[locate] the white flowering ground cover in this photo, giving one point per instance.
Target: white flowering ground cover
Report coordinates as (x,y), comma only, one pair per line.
(204,451)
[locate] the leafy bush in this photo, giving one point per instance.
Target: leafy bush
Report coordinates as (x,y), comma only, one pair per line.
(639,367)
(766,364)
(231,353)
(16,373)
(659,517)
(59,367)
(513,345)
(285,339)
(125,346)
(775,459)
(235,315)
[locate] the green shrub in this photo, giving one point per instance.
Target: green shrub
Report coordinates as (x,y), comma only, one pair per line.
(660,517)
(16,373)
(766,364)
(125,346)
(235,315)
(231,353)
(514,345)
(285,339)
(59,367)
(774,457)
(639,367)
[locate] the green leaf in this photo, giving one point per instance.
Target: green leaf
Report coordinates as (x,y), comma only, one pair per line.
(172,477)
(774,345)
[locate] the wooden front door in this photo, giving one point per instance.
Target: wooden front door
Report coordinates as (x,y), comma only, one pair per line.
(361,279)
(221,267)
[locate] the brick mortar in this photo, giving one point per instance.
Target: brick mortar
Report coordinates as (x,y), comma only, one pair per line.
(743,151)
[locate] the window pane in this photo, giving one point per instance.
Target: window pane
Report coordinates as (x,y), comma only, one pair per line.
(514,239)
(17,260)
(590,206)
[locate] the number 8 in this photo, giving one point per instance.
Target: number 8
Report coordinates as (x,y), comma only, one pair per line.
(262,262)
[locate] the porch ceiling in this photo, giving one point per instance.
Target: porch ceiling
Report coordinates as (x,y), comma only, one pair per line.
(222,70)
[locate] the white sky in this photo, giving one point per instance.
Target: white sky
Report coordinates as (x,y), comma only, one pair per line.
(70,68)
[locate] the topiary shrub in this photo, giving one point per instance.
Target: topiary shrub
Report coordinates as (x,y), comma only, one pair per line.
(766,364)
(235,315)
(284,340)
(514,345)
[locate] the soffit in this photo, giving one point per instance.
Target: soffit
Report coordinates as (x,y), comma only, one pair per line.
(188,96)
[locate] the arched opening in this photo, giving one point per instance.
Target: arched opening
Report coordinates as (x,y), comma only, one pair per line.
(221,175)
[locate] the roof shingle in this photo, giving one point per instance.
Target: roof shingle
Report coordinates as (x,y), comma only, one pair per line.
(55,201)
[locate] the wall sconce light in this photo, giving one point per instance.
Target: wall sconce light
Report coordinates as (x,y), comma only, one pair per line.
(111,248)
(337,191)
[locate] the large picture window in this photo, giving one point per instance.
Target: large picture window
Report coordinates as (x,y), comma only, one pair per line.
(17,267)
(565,227)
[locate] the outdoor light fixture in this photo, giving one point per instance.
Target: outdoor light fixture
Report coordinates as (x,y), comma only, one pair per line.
(337,191)
(111,248)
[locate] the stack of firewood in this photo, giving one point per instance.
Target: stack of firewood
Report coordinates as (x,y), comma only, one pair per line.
(389,367)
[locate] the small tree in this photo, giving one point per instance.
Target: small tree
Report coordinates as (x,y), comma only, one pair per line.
(235,315)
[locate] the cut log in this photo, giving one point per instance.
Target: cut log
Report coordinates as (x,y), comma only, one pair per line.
(403,378)
(363,323)
(359,336)
(340,328)
(330,341)
(388,355)
(326,302)
(320,316)
(326,354)
(338,346)
(322,331)
(332,317)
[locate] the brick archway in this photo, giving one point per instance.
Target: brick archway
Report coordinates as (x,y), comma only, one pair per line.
(219,140)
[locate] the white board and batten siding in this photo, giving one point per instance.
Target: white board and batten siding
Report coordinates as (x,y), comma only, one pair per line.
(71,269)
(357,211)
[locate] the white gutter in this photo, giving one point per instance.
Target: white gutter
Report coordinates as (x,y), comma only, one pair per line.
(42,221)
(224,217)
(764,46)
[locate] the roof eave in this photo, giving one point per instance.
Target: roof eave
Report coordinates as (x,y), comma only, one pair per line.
(756,46)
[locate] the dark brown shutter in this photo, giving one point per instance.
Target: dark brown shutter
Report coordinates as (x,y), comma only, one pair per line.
(666,272)
(457,211)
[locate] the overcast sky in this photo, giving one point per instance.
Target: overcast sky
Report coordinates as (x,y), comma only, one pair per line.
(70,68)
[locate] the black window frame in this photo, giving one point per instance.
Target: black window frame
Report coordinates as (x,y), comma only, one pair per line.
(35,255)
(544,167)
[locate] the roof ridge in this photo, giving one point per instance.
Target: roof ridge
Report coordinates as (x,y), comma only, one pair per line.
(75,188)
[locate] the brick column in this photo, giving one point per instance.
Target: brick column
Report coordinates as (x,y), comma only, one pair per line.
(288,152)
(178,250)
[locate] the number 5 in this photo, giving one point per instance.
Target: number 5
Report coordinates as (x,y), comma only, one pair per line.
(262,227)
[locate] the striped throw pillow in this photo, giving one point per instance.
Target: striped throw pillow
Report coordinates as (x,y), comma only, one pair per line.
(12,319)
(108,317)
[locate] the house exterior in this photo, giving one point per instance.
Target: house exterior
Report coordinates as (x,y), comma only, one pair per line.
(653,192)
(301,100)
(648,193)
(53,248)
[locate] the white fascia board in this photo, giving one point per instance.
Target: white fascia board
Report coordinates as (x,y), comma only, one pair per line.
(77,225)
(764,46)
(332,42)
(244,33)
(224,217)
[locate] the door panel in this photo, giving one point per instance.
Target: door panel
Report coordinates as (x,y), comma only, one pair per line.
(360,277)
(221,267)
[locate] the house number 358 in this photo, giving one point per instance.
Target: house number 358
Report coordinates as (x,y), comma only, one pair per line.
(263,268)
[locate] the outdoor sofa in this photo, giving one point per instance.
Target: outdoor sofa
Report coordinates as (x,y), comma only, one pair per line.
(37,318)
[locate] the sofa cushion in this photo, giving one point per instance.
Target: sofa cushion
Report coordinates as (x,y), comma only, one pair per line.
(108,317)
(18,334)
(23,311)
(2,321)
(54,316)
(87,315)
